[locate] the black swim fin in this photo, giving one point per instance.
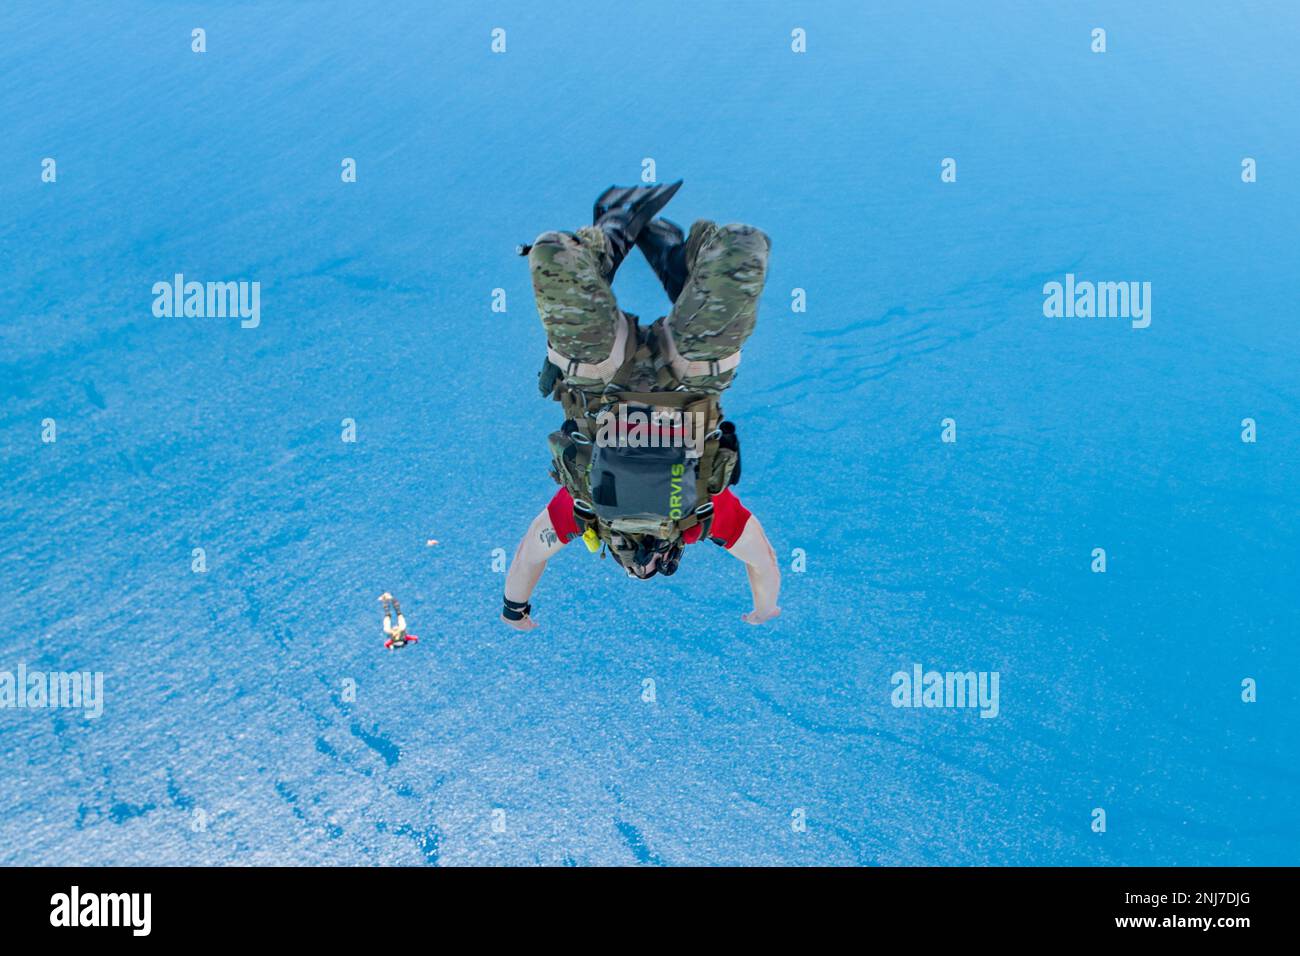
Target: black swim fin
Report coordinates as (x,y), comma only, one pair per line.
(664,246)
(621,212)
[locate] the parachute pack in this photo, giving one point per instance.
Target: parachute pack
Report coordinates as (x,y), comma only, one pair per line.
(640,452)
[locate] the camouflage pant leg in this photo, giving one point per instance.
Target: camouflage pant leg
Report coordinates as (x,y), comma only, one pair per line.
(576,304)
(718,306)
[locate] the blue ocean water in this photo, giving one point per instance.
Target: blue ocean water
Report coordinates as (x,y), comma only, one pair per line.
(250,713)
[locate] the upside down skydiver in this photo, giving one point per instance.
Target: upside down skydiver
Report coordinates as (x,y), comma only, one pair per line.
(644,500)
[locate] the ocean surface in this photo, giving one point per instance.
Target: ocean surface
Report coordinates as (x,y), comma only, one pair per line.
(250,714)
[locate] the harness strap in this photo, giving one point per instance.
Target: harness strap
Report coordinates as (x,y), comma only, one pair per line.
(603,370)
(665,399)
(705,468)
(704,518)
(683,368)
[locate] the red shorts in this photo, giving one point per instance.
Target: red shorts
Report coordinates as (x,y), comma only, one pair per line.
(729,518)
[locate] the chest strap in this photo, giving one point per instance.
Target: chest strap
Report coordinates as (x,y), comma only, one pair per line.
(604,370)
(683,368)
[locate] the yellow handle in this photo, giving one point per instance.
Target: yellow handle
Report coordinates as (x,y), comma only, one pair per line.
(591,539)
